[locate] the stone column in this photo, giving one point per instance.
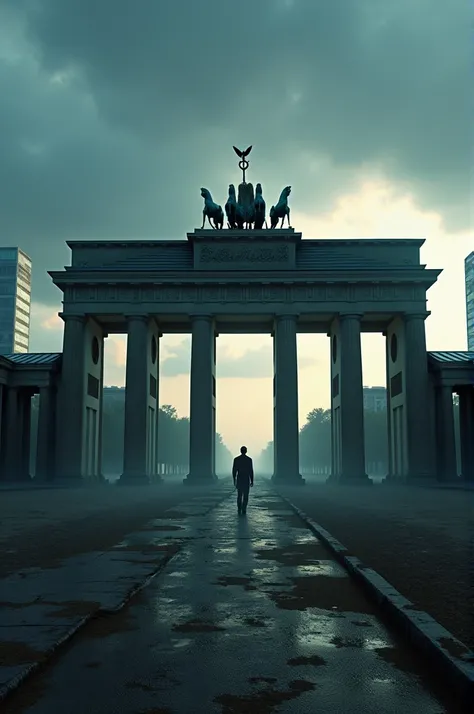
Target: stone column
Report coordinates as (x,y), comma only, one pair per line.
(101,477)
(390,474)
(46,435)
(419,437)
(2,441)
(352,402)
(466,422)
(136,402)
(25,434)
(445,436)
(202,432)
(12,435)
(286,432)
(71,396)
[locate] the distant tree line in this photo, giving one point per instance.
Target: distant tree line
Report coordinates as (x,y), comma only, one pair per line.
(173,440)
(315,442)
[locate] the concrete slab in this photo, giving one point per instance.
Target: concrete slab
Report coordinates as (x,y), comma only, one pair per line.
(250,616)
(42,608)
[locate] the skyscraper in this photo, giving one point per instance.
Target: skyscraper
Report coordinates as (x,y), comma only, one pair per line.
(15,297)
(469,276)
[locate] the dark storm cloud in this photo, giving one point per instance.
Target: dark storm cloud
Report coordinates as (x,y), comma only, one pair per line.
(147,98)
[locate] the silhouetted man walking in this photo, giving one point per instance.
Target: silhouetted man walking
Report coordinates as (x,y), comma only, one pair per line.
(242,473)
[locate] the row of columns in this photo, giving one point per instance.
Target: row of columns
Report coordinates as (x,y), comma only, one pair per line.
(141,407)
(445,432)
(15,433)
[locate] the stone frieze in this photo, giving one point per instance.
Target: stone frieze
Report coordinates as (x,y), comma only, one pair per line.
(249,293)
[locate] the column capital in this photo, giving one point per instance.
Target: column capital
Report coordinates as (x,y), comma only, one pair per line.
(292,317)
(408,316)
(350,316)
(201,316)
(138,317)
(65,317)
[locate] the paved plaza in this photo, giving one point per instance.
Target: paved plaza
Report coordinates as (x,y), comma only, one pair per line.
(246,614)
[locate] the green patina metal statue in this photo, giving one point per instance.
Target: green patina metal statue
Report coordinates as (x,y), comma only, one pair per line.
(232,210)
(248,210)
(281,210)
(259,209)
(211,210)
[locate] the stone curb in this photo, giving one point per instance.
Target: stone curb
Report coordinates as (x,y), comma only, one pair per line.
(15,682)
(448,654)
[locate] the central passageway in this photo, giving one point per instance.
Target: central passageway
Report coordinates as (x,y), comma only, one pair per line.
(252,615)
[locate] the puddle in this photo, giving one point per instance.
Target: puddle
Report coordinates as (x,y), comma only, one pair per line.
(294,554)
(323,592)
(313,660)
(198,626)
(264,701)
(17,653)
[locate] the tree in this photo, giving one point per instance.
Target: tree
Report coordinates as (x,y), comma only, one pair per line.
(315,442)
(223,457)
(316,439)
(264,462)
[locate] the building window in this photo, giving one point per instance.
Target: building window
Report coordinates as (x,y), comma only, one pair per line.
(394,347)
(23,294)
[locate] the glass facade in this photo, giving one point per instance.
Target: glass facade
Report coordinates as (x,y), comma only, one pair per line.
(469,275)
(15,299)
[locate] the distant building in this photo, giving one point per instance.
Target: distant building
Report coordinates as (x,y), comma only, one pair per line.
(375,399)
(469,278)
(15,300)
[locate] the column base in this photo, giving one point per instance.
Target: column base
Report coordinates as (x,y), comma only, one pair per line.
(288,480)
(156,478)
(133,480)
(412,480)
(200,480)
(341,479)
(392,480)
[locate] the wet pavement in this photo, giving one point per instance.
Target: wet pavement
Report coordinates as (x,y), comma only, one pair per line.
(251,615)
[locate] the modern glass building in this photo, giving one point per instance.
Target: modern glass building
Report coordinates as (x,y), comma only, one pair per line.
(469,276)
(15,298)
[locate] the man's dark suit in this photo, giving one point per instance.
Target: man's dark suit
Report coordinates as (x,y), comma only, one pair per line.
(242,473)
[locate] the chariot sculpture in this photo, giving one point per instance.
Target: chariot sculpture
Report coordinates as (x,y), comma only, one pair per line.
(247,209)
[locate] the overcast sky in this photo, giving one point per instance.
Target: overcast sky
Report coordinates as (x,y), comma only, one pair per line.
(115,112)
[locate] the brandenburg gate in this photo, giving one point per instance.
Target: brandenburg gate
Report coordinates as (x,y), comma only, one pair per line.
(244,279)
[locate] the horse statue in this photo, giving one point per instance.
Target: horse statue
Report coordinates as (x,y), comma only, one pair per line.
(232,210)
(259,207)
(246,205)
(211,210)
(281,210)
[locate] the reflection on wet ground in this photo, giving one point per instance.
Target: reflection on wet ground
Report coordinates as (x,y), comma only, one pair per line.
(251,616)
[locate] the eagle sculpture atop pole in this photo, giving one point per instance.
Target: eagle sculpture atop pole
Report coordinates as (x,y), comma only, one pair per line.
(243,163)
(246,196)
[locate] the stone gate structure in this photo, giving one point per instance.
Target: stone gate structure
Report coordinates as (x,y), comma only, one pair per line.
(244,281)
